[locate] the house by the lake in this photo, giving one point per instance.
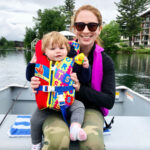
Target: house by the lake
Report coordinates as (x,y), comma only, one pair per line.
(143,38)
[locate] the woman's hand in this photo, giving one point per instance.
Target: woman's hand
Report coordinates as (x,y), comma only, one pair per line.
(33,60)
(76,84)
(34,84)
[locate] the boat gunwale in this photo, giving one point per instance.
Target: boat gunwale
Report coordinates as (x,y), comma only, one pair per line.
(13,85)
(130,90)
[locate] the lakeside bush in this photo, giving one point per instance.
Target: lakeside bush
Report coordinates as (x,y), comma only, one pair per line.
(133,50)
(123,44)
(126,50)
(143,51)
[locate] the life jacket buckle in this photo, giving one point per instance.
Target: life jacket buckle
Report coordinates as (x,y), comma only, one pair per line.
(46,88)
(51,88)
(61,100)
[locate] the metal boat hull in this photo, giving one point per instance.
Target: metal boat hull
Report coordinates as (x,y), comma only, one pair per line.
(130,131)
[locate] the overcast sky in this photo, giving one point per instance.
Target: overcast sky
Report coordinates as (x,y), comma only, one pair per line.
(15,15)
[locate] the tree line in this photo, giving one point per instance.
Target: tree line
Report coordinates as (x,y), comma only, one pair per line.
(55,19)
(5,44)
(127,23)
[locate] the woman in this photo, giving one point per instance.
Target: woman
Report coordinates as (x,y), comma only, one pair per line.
(97,96)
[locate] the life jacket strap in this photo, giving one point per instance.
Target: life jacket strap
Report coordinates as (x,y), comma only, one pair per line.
(46,88)
(61,102)
(64,113)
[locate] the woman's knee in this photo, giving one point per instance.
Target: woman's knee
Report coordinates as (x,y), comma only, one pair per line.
(56,135)
(93,142)
(92,147)
(93,126)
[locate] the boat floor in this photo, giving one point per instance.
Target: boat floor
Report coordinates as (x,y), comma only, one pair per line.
(127,133)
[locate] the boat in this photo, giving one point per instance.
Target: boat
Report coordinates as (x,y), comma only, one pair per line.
(130,129)
(69,35)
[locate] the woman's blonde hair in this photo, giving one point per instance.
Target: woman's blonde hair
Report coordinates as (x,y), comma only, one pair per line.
(92,9)
(54,38)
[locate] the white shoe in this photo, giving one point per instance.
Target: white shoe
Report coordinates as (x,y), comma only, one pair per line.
(36,146)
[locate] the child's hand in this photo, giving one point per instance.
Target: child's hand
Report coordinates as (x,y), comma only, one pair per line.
(86,62)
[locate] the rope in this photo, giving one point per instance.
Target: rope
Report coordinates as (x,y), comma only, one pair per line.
(10,108)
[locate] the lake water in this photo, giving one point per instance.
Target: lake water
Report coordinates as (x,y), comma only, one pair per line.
(132,71)
(12,67)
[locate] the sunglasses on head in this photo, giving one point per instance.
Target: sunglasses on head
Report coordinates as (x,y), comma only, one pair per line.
(92,26)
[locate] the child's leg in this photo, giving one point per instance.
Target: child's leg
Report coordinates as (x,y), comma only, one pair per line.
(77,133)
(37,120)
(77,116)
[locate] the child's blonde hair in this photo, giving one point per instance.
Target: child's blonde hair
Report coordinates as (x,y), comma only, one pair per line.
(54,38)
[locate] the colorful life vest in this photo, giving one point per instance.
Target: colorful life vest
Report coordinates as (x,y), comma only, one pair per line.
(56,87)
(97,73)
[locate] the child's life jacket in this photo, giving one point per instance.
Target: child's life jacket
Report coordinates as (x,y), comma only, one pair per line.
(55,90)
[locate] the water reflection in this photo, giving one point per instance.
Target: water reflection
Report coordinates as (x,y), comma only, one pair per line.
(12,67)
(133,71)
(4,53)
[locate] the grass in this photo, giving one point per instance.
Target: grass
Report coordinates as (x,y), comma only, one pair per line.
(124,48)
(143,51)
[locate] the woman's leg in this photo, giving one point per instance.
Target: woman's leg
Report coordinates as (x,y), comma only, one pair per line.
(56,133)
(93,126)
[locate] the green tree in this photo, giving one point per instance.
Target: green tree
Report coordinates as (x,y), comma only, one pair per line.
(129,18)
(69,10)
(110,35)
(30,35)
(49,20)
(4,43)
(11,44)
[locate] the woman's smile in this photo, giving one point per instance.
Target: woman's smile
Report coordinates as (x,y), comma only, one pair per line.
(86,37)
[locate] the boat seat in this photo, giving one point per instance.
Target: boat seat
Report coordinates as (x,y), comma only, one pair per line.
(127,133)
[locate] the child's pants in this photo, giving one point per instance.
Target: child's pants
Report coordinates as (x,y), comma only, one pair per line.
(39,116)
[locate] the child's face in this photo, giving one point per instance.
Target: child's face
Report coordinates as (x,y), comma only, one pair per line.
(56,53)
